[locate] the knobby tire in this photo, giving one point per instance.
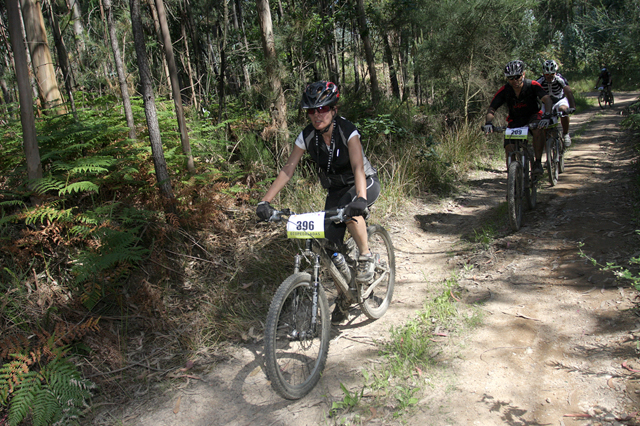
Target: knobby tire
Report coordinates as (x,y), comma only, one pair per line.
(515,185)
(378,301)
(552,160)
(294,366)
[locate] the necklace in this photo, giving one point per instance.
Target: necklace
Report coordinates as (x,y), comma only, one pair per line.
(331,148)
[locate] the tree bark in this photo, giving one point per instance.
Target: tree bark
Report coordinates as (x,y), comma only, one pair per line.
(78,26)
(175,85)
(41,56)
(187,64)
(388,54)
(368,51)
(156,25)
(122,76)
(245,69)
(162,175)
(63,57)
(30,142)
(279,110)
(223,61)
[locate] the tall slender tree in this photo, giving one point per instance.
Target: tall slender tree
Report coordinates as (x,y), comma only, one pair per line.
(41,56)
(279,110)
(162,174)
(30,142)
(122,76)
(175,85)
(368,51)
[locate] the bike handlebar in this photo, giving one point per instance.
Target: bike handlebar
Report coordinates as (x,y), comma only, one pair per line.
(334,215)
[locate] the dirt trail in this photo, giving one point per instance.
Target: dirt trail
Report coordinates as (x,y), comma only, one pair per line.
(555,330)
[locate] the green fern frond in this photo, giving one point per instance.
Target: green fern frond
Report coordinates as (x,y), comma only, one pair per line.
(23,398)
(48,184)
(12,203)
(83,186)
(40,213)
(46,408)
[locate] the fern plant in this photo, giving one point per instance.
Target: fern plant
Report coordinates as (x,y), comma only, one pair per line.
(55,393)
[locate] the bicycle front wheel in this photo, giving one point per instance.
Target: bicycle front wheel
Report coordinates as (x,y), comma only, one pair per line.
(515,186)
(377,302)
(552,165)
(601,100)
(561,158)
(295,348)
(552,160)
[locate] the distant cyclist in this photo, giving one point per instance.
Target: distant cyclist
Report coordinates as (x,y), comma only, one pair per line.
(561,95)
(521,96)
(605,77)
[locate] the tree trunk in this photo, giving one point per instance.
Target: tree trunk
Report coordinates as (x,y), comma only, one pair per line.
(201,68)
(388,54)
(223,61)
(122,76)
(175,85)
(279,110)
(78,26)
(245,69)
(156,24)
(162,175)
(368,51)
(63,57)
(187,64)
(31,151)
(41,56)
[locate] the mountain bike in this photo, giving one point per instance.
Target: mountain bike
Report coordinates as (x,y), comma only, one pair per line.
(521,185)
(554,149)
(296,336)
(605,96)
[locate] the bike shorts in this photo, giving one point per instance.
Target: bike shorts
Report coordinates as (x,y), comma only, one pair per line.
(556,107)
(340,197)
(521,122)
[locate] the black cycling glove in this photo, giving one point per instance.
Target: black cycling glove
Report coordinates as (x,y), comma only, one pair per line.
(356,208)
(264,210)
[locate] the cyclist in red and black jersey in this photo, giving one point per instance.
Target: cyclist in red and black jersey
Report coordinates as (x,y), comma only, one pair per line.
(521,96)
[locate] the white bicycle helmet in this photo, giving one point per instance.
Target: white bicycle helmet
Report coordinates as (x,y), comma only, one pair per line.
(514,68)
(550,67)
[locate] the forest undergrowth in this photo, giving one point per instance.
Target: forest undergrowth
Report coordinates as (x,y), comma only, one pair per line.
(107,283)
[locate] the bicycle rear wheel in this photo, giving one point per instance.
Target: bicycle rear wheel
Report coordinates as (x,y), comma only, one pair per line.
(515,186)
(552,156)
(296,351)
(377,302)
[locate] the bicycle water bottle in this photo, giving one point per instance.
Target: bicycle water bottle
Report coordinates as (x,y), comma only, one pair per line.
(341,264)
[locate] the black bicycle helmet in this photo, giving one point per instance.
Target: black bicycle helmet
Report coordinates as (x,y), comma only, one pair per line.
(514,68)
(550,67)
(319,94)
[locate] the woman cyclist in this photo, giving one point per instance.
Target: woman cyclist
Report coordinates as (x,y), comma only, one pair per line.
(333,143)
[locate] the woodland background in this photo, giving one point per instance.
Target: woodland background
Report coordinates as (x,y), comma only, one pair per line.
(137,137)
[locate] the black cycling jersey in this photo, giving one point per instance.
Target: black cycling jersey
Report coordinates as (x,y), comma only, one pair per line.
(605,76)
(523,107)
(334,164)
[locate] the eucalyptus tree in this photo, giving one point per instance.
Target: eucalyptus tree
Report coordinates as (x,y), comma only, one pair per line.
(175,84)
(30,143)
(41,56)
(148,96)
(279,109)
(122,77)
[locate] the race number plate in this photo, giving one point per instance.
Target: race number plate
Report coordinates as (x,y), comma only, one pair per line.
(516,133)
(306,225)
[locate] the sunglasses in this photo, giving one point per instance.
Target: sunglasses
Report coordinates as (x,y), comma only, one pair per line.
(321,110)
(514,77)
